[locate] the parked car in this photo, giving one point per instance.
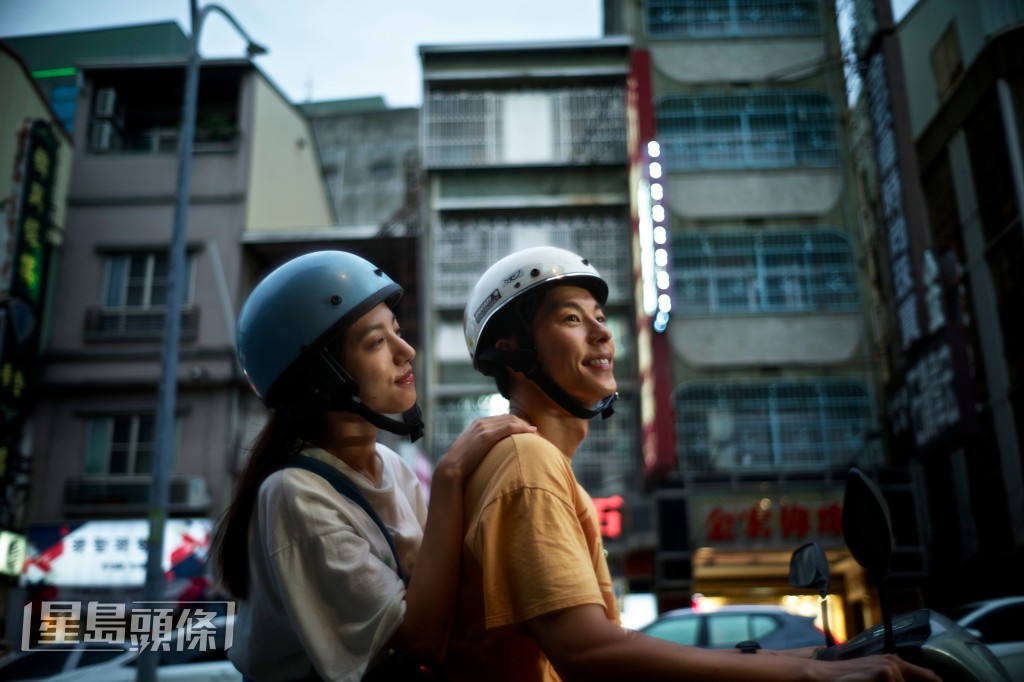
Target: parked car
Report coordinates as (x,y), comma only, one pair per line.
(176,664)
(999,624)
(45,661)
(722,628)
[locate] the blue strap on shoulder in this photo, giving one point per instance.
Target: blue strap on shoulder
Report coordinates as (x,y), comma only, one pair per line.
(347,488)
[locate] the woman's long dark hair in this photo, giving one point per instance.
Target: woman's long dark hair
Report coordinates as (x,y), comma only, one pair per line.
(281,437)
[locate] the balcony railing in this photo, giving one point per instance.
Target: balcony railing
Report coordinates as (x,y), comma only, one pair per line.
(130,324)
(131,494)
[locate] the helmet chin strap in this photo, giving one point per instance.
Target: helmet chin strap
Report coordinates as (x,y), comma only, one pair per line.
(335,389)
(411,424)
(525,361)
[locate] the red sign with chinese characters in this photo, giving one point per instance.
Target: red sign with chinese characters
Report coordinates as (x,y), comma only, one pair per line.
(745,519)
(609,515)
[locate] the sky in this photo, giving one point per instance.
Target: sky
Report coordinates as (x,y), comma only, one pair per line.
(328,49)
(333,49)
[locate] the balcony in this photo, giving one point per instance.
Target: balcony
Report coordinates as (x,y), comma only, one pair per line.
(131,495)
(133,324)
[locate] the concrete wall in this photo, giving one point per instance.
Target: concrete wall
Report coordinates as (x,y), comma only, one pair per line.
(718,61)
(751,341)
(739,194)
(285,185)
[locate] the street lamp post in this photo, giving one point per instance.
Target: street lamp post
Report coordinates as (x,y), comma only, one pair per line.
(167,397)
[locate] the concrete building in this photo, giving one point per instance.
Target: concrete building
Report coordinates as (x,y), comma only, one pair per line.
(524,144)
(945,84)
(743,180)
(36,156)
(255,173)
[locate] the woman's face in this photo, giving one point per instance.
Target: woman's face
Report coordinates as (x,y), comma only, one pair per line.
(380,361)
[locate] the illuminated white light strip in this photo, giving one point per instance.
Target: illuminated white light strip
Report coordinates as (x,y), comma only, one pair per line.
(653,233)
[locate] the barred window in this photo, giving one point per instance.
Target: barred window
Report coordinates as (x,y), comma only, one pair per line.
(792,425)
(680,19)
(466,246)
(752,130)
(606,462)
(563,126)
(763,272)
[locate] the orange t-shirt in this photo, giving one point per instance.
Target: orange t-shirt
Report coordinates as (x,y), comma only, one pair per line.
(532,546)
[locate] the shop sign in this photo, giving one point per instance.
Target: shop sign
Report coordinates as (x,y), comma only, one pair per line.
(12,553)
(749,519)
(112,553)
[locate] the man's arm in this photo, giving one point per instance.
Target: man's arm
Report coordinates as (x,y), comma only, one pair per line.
(583,644)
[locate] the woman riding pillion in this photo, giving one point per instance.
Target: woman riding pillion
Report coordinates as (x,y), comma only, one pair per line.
(323,592)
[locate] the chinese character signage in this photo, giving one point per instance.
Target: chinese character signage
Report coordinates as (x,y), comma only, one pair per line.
(755,519)
(113,553)
(25,263)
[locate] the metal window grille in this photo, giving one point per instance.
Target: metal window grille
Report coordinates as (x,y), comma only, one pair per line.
(763,272)
(753,130)
(606,462)
(675,19)
(466,246)
(791,425)
(469,128)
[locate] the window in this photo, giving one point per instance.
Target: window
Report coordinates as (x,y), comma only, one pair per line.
(564,126)
(63,99)
(792,425)
(140,280)
(676,19)
(763,272)
(605,462)
(681,630)
(134,298)
(465,246)
(753,130)
(725,629)
(120,445)
(947,64)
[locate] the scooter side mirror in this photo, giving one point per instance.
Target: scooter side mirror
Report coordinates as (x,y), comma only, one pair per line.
(808,567)
(867,527)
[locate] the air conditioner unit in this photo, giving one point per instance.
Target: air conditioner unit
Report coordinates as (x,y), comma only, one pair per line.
(189,491)
(105,104)
(105,137)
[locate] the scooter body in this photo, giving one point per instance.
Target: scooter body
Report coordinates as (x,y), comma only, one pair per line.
(924,637)
(931,640)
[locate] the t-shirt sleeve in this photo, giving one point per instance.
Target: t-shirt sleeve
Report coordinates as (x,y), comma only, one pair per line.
(343,602)
(532,548)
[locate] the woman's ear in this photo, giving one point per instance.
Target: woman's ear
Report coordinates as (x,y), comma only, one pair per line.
(507,343)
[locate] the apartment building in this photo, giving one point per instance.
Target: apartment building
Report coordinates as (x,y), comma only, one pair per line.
(255,171)
(942,95)
(524,144)
(743,179)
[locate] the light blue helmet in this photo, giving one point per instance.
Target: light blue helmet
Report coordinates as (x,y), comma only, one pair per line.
(288,325)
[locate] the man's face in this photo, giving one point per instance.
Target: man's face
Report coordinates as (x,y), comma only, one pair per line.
(574,344)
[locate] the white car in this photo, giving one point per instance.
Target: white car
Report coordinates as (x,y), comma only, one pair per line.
(177,664)
(999,624)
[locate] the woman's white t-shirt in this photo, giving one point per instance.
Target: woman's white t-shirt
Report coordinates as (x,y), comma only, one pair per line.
(324,597)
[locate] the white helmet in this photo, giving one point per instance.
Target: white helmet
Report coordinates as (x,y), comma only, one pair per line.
(495,297)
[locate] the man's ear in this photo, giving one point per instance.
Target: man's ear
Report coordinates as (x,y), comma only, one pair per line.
(507,343)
